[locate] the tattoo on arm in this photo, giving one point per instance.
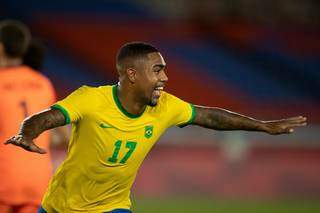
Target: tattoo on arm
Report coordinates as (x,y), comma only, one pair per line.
(221,119)
(33,126)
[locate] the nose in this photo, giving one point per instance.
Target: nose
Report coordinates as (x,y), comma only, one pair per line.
(164,77)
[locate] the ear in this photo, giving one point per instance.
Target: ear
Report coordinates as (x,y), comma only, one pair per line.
(131,73)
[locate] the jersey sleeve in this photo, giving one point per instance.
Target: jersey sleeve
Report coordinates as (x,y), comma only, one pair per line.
(75,106)
(181,113)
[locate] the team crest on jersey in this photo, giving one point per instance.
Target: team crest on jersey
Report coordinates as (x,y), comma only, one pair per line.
(148,131)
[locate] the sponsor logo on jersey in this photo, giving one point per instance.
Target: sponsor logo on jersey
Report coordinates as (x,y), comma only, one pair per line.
(104,126)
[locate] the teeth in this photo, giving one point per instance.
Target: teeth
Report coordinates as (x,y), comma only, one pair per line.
(159,88)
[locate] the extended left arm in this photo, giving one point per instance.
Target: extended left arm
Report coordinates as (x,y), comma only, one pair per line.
(221,119)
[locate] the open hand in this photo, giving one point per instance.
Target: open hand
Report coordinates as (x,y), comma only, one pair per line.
(284,126)
(27,144)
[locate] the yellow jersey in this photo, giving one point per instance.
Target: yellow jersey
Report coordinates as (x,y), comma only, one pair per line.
(106,148)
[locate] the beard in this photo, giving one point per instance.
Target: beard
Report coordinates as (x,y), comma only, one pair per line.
(153,101)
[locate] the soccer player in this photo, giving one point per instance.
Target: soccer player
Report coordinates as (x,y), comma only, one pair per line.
(115,126)
(23,177)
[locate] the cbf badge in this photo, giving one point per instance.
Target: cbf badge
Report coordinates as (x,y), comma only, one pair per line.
(148,130)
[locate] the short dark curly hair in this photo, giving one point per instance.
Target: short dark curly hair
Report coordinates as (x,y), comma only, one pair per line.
(15,37)
(134,50)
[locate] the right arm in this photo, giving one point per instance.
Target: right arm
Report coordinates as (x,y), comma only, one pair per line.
(33,126)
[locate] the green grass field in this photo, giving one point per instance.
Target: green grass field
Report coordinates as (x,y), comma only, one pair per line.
(207,206)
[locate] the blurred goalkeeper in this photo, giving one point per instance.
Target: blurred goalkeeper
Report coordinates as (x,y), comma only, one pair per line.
(115,126)
(24,91)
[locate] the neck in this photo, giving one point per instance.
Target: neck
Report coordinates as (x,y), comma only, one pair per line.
(9,62)
(129,101)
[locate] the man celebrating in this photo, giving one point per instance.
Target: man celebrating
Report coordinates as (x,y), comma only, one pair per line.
(114,128)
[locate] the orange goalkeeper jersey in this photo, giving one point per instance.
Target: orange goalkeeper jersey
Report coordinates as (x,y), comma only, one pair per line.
(24,175)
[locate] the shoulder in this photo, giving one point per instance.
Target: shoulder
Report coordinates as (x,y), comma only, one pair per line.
(164,98)
(86,91)
(105,89)
(92,89)
(168,99)
(36,76)
(172,103)
(93,93)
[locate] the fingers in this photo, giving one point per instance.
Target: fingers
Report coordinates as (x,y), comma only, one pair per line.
(15,140)
(298,124)
(298,119)
(18,140)
(294,122)
(34,148)
(293,125)
(286,126)
(285,131)
(290,126)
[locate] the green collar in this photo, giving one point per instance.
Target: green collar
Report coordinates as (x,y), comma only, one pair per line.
(121,108)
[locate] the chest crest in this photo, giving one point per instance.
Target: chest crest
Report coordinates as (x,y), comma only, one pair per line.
(148,131)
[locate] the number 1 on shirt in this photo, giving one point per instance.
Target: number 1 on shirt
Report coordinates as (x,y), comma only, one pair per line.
(130,145)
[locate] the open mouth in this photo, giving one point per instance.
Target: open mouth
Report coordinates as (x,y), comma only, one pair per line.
(157,91)
(159,88)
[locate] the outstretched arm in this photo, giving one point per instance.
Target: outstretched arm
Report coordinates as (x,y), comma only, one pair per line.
(33,126)
(221,119)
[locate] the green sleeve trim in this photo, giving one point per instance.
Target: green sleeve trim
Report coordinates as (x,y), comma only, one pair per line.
(193,115)
(64,112)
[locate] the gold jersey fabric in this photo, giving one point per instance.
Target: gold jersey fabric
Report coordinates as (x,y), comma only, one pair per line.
(106,148)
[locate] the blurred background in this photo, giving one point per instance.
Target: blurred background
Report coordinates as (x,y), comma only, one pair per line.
(259,58)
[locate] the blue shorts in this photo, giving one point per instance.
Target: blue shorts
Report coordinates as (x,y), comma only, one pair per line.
(41,210)
(120,211)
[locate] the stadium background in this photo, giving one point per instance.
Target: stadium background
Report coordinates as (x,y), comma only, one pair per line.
(260,58)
